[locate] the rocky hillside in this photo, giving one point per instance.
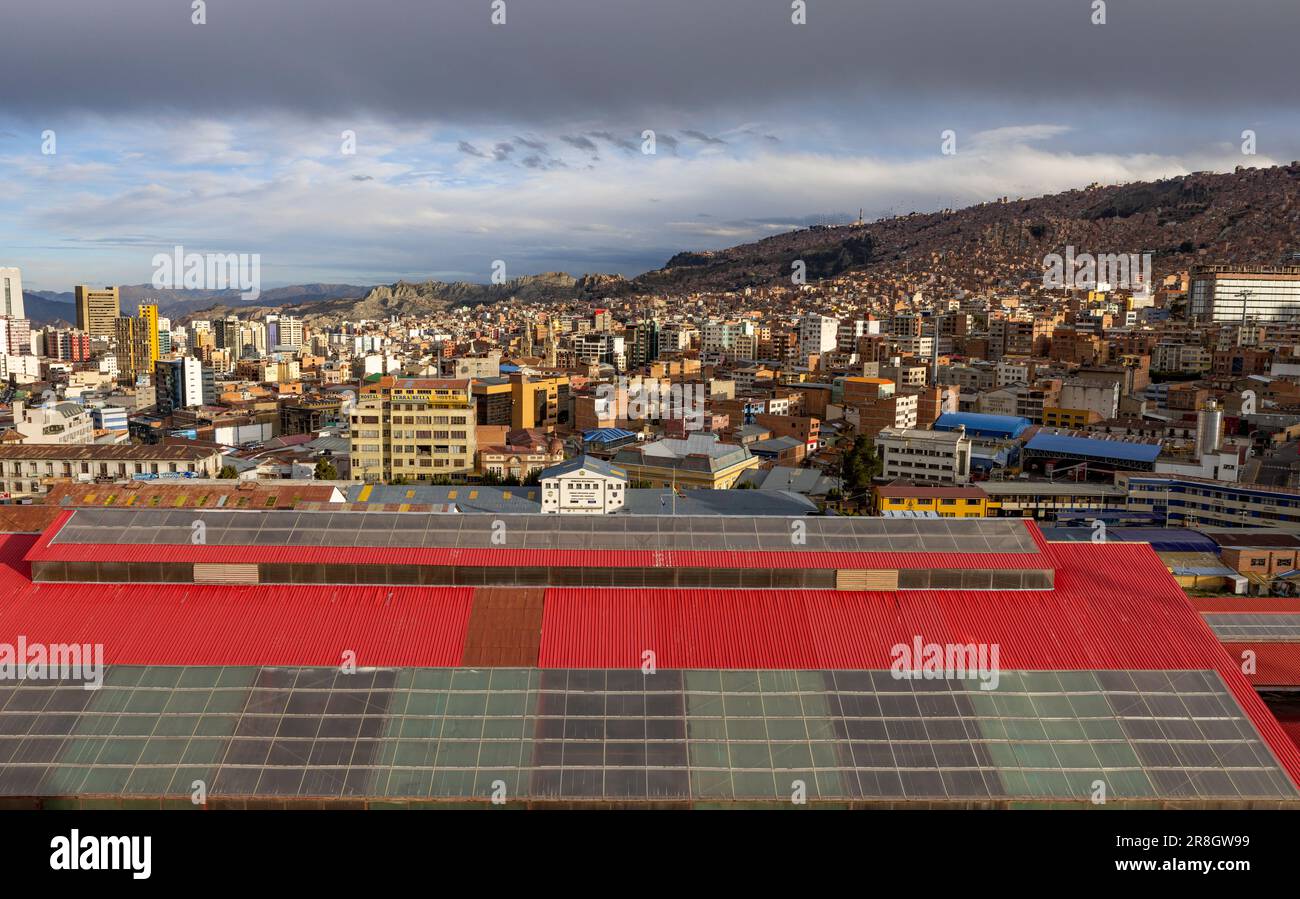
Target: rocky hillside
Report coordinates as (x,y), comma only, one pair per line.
(406,298)
(1248,216)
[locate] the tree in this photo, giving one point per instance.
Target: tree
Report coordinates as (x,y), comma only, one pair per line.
(228,472)
(858,466)
(325,471)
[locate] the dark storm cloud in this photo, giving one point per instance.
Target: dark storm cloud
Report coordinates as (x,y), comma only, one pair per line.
(703,138)
(578,141)
(538,162)
(566,60)
(627,144)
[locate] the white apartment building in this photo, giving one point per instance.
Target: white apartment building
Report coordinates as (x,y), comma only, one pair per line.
(818,334)
(1012,373)
(917,347)
(934,457)
(53,423)
(736,339)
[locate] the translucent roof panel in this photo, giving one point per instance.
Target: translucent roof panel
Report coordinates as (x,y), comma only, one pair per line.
(1250,628)
(697,736)
(243,528)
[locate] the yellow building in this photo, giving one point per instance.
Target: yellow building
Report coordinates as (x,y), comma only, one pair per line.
(942,502)
(413,428)
(148,315)
(1056,417)
(699,461)
(537,402)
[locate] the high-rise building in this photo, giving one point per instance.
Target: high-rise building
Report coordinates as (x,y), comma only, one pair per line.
(15,336)
(413,428)
(288,334)
(148,315)
(11,293)
(645,343)
(131,346)
(180,383)
(164,335)
(98,310)
(1244,294)
(67,345)
(226,332)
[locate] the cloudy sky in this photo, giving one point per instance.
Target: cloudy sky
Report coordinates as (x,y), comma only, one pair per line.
(524,141)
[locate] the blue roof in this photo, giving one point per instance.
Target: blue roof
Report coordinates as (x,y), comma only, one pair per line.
(1090,446)
(606,435)
(981,425)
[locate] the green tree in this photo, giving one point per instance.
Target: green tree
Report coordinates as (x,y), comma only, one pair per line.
(228,472)
(858,466)
(325,471)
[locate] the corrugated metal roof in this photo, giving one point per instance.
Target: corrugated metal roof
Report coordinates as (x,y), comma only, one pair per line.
(505,627)
(1088,446)
(27,519)
(1120,611)
(979,423)
(190,624)
(1277,664)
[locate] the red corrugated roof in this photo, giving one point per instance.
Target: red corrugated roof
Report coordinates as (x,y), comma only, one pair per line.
(193,624)
(1277,664)
(1115,606)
